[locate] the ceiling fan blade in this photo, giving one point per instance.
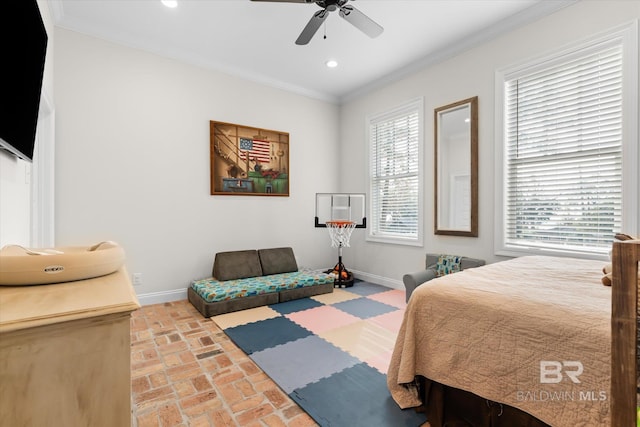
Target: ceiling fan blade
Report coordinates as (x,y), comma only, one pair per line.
(287,1)
(312,26)
(361,21)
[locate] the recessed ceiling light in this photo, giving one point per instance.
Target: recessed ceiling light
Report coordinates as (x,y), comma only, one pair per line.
(332,63)
(170,3)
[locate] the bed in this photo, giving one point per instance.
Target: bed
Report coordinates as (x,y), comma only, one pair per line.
(532,334)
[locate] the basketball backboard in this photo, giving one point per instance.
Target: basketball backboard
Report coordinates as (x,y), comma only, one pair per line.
(341,207)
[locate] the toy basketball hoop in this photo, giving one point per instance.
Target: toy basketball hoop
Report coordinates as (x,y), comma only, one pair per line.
(340,233)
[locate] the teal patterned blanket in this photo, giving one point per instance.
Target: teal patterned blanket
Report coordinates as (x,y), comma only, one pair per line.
(213,290)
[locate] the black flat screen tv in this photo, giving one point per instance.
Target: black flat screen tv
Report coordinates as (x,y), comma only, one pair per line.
(23,47)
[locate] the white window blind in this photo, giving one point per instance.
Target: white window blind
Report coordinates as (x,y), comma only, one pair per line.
(563,153)
(395,139)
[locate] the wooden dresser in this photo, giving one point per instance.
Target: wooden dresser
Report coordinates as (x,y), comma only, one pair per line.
(65,353)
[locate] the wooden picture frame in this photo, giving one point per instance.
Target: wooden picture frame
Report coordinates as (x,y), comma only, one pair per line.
(248,161)
(456,168)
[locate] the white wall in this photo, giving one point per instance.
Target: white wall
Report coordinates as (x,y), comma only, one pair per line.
(15,200)
(133,152)
(132,162)
(468,74)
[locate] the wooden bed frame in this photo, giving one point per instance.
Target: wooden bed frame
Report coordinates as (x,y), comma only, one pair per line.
(624,334)
(447,406)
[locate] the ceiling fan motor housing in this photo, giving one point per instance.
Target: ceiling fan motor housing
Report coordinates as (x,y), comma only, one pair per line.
(333,4)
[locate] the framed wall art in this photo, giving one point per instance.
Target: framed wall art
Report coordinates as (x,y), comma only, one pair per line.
(248,161)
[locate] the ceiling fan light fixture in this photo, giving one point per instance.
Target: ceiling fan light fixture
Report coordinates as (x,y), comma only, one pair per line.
(170,3)
(331,63)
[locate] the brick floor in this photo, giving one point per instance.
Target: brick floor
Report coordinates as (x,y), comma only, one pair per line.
(186,372)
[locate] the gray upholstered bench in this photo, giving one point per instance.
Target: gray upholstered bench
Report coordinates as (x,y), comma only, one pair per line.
(413,280)
(252,278)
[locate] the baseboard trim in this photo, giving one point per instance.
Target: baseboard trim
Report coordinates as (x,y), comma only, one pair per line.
(181,294)
(163,296)
(378,280)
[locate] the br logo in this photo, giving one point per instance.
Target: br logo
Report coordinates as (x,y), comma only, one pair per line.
(551,371)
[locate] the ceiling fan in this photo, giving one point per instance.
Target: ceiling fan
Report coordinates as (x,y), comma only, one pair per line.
(348,12)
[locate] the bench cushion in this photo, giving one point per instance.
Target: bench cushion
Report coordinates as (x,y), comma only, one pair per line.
(212,290)
(236,265)
(277,260)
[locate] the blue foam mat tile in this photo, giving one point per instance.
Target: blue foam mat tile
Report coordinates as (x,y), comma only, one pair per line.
(295,305)
(310,358)
(364,289)
(355,397)
(267,333)
(364,308)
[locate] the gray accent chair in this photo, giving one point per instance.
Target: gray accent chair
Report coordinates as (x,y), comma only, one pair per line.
(413,280)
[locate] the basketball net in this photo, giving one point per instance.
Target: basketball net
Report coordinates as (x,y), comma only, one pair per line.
(340,232)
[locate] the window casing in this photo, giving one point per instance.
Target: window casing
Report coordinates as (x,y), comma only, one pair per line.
(566,130)
(395,174)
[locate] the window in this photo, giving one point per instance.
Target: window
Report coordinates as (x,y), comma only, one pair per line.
(561,146)
(395,139)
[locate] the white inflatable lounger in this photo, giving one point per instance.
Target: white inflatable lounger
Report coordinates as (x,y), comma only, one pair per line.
(22,266)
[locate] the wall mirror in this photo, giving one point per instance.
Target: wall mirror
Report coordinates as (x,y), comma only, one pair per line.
(456,168)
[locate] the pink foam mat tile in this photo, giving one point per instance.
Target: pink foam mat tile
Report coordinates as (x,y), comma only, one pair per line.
(394,297)
(390,321)
(380,362)
(321,319)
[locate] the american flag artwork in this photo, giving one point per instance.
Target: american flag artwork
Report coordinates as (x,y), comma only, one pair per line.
(256,149)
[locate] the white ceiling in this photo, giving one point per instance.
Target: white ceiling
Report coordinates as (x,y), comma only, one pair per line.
(255,40)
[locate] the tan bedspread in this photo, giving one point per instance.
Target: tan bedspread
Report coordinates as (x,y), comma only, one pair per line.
(486,330)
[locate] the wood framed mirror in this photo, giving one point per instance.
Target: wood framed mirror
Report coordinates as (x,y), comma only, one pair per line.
(456,168)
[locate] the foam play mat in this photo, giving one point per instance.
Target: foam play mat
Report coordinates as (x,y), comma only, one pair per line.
(329,353)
